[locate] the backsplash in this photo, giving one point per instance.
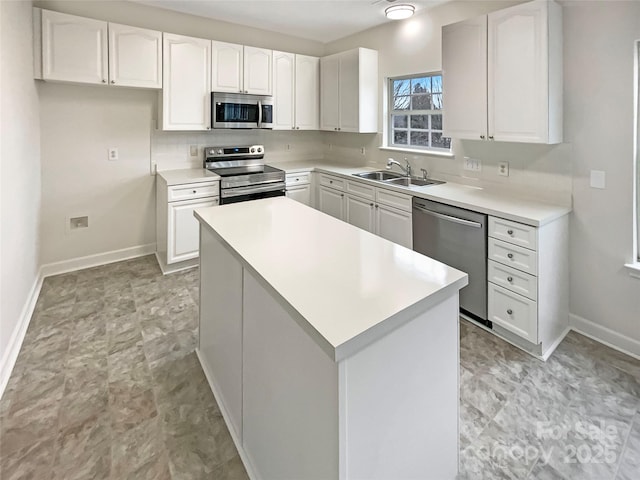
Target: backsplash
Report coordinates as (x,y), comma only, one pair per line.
(540,172)
(171,150)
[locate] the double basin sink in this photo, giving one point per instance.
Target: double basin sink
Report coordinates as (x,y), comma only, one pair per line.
(394,178)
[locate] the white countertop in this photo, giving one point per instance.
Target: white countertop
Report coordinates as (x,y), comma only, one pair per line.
(188,175)
(347,286)
(500,204)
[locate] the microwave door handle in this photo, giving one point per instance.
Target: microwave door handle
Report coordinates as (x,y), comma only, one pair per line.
(259,113)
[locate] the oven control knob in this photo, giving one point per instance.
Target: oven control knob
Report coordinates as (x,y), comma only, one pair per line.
(259,149)
(253,150)
(220,151)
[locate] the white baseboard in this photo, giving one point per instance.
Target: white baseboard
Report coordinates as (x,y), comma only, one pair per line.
(605,336)
(10,356)
(80,263)
(8,360)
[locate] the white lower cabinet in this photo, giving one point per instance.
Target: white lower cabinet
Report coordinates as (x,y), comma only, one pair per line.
(183,229)
(177,230)
(377,210)
(528,282)
(299,187)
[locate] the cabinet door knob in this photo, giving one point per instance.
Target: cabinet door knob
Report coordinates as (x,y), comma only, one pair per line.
(113,81)
(342,194)
(104,81)
(377,205)
(371,204)
(297,128)
(510,279)
(510,232)
(482,137)
(510,255)
(510,312)
(490,137)
(195,191)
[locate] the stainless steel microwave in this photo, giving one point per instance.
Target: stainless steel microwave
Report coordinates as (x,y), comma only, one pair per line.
(238,110)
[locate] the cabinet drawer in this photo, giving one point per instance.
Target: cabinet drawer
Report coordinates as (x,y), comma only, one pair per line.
(393,199)
(513,256)
(514,280)
(333,182)
(513,232)
(361,189)
(514,312)
(193,190)
(298,178)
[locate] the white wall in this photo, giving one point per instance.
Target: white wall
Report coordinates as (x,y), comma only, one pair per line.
(599,62)
(20,179)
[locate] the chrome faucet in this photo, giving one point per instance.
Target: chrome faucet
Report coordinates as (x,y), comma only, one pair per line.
(407,170)
(425,174)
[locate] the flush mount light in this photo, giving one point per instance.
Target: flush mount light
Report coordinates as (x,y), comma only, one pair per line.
(399,12)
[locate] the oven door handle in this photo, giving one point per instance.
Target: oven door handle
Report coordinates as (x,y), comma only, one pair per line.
(259,113)
(236,192)
(448,218)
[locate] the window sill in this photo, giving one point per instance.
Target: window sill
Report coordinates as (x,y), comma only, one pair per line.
(418,152)
(633,269)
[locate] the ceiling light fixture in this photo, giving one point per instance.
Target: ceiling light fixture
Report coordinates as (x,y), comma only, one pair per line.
(399,12)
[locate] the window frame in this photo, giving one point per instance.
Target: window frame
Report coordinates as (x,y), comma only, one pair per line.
(391,112)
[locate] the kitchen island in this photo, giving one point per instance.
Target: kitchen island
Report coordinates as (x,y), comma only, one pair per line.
(332,353)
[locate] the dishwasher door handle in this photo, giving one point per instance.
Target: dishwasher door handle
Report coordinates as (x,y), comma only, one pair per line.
(449,218)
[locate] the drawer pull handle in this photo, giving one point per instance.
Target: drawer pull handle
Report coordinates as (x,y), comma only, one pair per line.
(510,255)
(330,181)
(510,312)
(195,191)
(371,204)
(510,279)
(510,232)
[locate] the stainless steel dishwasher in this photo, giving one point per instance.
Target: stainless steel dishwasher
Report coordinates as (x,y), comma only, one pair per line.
(458,238)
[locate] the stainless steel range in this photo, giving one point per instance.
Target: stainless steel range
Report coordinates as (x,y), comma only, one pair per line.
(244,174)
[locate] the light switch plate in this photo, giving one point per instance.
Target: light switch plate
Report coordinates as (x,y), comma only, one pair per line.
(193,150)
(598,179)
(472,164)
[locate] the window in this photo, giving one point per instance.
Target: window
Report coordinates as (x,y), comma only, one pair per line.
(415,113)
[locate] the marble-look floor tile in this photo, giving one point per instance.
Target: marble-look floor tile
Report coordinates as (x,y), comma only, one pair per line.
(629,468)
(33,461)
(140,452)
(480,395)
(543,471)
(85,450)
(130,405)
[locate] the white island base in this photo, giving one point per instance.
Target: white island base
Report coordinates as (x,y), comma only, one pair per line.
(383,405)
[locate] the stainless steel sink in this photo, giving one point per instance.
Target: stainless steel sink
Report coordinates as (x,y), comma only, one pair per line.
(413,181)
(380,175)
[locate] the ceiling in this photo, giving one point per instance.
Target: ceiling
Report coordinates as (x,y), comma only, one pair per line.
(320,20)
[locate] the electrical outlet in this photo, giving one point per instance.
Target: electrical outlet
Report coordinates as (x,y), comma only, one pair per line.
(472,164)
(78,222)
(288,146)
(503,169)
(362,151)
(193,150)
(113,154)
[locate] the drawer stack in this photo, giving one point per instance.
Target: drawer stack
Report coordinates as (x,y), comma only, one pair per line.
(513,277)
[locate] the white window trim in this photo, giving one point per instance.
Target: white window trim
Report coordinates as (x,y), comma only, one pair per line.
(386,128)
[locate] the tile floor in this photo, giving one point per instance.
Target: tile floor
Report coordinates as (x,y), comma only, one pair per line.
(107,386)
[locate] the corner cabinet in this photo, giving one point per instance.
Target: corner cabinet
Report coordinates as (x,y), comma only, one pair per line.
(518,50)
(296,88)
(349,91)
(381,211)
(74,49)
(186,79)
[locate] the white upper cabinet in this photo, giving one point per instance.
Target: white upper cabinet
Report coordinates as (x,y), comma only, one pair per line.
(186,83)
(283,90)
(135,56)
(523,95)
(464,76)
(307,93)
(349,91)
(296,91)
(257,71)
(227,67)
(240,69)
(74,49)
